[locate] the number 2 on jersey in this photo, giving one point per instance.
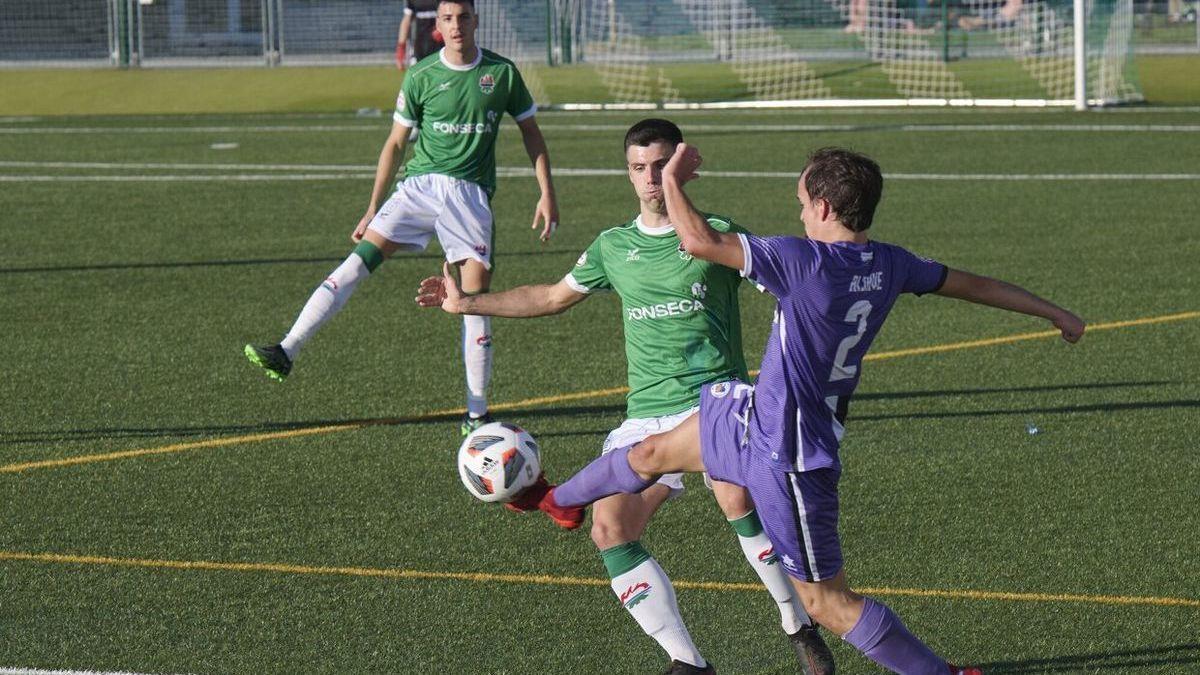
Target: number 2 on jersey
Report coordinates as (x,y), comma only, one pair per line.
(858,313)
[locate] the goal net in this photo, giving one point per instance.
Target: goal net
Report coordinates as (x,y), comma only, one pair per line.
(580,53)
(840,52)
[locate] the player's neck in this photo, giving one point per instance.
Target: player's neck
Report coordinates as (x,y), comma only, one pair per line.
(461,58)
(834,232)
(653,219)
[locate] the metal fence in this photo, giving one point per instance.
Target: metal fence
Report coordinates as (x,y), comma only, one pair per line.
(307,32)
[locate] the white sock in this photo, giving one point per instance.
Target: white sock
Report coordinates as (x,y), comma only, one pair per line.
(324,303)
(761,556)
(648,595)
(477,360)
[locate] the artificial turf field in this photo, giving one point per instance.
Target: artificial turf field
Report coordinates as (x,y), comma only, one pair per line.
(166,508)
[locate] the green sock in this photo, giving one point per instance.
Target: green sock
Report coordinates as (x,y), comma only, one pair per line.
(371,256)
(621,558)
(748,525)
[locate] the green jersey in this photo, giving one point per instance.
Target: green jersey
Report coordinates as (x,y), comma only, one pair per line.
(458,110)
(682,327)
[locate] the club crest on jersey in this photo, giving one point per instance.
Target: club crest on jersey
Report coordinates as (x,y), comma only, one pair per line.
(582,260)
(635,594)
(487,84)
(699,290)
(400,102)
(683,255)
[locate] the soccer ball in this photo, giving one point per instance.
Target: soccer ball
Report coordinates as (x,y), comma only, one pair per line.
(497,461)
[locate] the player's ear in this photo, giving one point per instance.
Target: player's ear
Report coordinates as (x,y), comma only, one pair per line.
(823,208)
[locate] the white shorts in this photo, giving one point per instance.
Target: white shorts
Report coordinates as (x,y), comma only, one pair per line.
(458,211)
(636,429)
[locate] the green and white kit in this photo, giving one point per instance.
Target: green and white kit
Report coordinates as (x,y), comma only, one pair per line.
(451,177)
(682,327)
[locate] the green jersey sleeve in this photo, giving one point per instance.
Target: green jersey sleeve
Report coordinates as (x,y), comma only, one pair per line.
(589,274)
(520,101)
(408,103)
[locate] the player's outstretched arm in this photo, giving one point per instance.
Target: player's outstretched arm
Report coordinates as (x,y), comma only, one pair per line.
(996,293)
(546,212)
(385,173)
(695,235)
(519,303)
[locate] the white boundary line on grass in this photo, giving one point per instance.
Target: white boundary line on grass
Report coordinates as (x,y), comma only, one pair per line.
(692,128)
(791,112)
(358,173)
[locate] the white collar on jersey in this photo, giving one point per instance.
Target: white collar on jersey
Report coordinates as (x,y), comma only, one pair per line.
(469,66)
(653,231)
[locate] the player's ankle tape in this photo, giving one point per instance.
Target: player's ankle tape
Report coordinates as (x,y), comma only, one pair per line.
(621,558)
(371,256)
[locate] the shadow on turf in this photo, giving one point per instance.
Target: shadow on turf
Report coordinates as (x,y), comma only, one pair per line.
(1135,659)
(108,267)
(20,438)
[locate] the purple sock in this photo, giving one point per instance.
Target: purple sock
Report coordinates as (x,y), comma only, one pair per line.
(607,475)
(881,637)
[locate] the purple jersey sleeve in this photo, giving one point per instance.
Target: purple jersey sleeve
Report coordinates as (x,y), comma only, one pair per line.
(921,275)
(776,263)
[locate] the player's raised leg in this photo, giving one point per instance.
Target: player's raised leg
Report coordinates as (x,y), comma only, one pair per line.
(638,581)
(632,469)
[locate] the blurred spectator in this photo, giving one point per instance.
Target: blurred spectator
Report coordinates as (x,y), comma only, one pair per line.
(420,25)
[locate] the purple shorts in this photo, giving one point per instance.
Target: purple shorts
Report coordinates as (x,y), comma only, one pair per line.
(798,510)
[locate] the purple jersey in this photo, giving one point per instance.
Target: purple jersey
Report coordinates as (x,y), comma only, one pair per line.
(833,299)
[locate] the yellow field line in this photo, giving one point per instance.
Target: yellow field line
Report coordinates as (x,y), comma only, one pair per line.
(303,431)
(541,400)
(549,580)
(1027,336)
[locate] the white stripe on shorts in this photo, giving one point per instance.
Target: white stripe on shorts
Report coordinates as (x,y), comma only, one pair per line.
(803,517)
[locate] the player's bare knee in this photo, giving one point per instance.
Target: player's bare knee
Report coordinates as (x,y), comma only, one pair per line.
(646,457)
(608,531)
(734,500)
(835,608)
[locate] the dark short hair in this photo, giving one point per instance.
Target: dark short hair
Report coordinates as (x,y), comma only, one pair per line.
(653,130)
(459,2)
(851,183)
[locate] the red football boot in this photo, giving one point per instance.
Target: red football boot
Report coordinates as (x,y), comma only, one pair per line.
(530,497)
(964,670)
(566,517)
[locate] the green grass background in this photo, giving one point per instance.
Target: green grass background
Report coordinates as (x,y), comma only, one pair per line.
(126,305)
(1165,79)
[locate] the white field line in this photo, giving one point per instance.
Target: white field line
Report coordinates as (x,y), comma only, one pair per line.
(197,166)
(197,178)
(347,172)
(760,112)
(932,128)
(39,671)
(692,128)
